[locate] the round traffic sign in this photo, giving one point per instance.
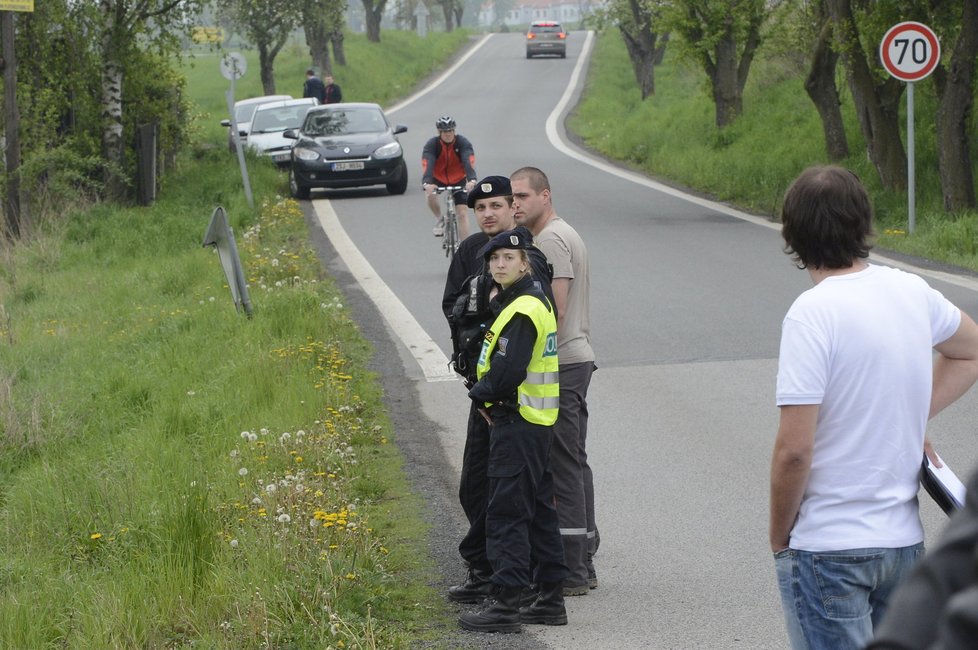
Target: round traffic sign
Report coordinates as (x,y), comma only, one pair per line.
(910,51)
(233,66)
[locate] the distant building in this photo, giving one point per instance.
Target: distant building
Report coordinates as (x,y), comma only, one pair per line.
(523,12)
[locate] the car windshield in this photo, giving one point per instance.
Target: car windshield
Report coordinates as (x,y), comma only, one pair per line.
(244,113)
(270,120)
(345,121)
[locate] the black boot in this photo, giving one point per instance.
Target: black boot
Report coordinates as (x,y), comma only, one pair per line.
(475,588)
(499,614)
(548,609)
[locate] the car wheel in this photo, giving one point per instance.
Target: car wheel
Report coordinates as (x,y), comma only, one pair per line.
(298,191)
(400,185)
(563,54)
(529,56)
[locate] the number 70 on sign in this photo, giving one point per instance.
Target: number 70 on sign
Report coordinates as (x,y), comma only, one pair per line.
(910,51)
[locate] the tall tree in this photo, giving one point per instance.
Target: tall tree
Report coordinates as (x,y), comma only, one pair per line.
(956,89)
(876,96)
(266,24)
(639,22)
(722,36)
(120,28)
(373,11)
(322,20)
(820,83)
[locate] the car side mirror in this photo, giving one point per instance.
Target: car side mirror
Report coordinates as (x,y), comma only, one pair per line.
(400,128)
(243,133)
(290,134)
(225,122)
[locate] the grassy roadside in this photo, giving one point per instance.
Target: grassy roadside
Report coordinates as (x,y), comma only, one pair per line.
(175,474)
(672,136)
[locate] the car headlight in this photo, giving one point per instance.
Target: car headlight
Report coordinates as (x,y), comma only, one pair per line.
(391,150)
(305,154)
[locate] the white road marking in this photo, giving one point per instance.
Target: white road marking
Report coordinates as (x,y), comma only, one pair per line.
(556,139)
(423,348)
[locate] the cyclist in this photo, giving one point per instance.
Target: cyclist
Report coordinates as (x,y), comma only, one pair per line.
(448,159)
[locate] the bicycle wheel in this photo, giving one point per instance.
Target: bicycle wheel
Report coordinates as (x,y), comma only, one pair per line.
(451,234)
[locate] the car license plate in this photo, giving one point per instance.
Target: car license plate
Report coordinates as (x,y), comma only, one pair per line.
(346,166)
(281,157)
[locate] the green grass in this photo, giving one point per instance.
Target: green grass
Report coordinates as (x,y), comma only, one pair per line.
(173,473)
(672,136)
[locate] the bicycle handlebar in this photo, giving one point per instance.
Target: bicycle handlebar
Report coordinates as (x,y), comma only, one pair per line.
(448,188)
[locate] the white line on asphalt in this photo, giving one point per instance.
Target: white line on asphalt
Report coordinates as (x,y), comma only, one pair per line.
(422,347)
(445,75)
(433,362)
(555,135)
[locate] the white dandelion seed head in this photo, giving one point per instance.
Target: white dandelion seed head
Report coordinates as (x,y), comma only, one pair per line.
(300,433)
(252,437)
(264,431)
(245,434)
(270,488)
(234,543)
(278,284)
(284,518)
(243,471)
(234,453)
(256,501)
(212,299)
(299,487)
(274,261)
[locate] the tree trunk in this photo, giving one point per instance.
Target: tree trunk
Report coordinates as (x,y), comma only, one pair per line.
(112,140)
(726,94)
(265,69)
(640,43)
(821,88)
(642,55)
(954,89)
(458,10)
(373,11)
(877,105)
(339,54)
(18,223)
(446,9)
(318,41)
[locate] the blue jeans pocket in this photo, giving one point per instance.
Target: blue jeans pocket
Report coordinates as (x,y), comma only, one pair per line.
(845,582)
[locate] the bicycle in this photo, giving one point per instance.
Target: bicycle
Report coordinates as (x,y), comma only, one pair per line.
(449,240)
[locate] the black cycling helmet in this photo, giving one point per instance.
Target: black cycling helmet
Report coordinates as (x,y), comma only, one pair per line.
(445,123)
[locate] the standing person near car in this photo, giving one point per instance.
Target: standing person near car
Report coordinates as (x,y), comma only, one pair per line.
(314,87)
(466,306)
(573,479)
(518,394)
(332,93)
(448,159)
(867,355)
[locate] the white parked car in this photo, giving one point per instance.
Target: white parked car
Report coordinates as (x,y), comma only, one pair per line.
(270,121)
(243,111)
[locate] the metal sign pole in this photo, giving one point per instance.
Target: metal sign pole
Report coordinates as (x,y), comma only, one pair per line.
(233,66)
(911,193)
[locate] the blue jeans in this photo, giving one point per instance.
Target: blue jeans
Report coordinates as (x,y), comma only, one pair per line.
(832,600)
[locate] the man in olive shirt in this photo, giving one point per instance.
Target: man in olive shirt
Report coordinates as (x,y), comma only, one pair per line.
(573,480)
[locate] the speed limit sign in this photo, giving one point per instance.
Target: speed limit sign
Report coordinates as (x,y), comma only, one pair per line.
(910,51)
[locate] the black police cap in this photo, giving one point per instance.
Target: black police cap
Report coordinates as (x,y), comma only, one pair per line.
(517,238)
(488,187)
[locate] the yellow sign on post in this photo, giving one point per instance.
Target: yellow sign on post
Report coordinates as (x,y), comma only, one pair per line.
(16,5)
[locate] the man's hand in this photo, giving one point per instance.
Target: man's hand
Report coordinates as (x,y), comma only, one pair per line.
(485,414)
(429,189)
(469,186)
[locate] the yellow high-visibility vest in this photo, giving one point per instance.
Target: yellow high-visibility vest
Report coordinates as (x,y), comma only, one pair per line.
(539,394)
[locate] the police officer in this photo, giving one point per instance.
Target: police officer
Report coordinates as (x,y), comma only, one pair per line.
(466,306)
(517,393)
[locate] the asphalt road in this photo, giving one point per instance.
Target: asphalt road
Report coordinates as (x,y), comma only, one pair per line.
(687,301)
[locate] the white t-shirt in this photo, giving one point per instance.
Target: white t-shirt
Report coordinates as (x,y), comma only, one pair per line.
(861,346)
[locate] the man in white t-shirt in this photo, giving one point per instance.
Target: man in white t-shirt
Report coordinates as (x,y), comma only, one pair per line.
(857,381)
(571,284)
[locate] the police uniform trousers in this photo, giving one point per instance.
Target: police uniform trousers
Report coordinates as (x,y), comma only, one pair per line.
(573,480)
(473,491)
(521,518)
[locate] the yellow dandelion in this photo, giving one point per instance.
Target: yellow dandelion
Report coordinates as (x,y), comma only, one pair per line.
(95,536)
